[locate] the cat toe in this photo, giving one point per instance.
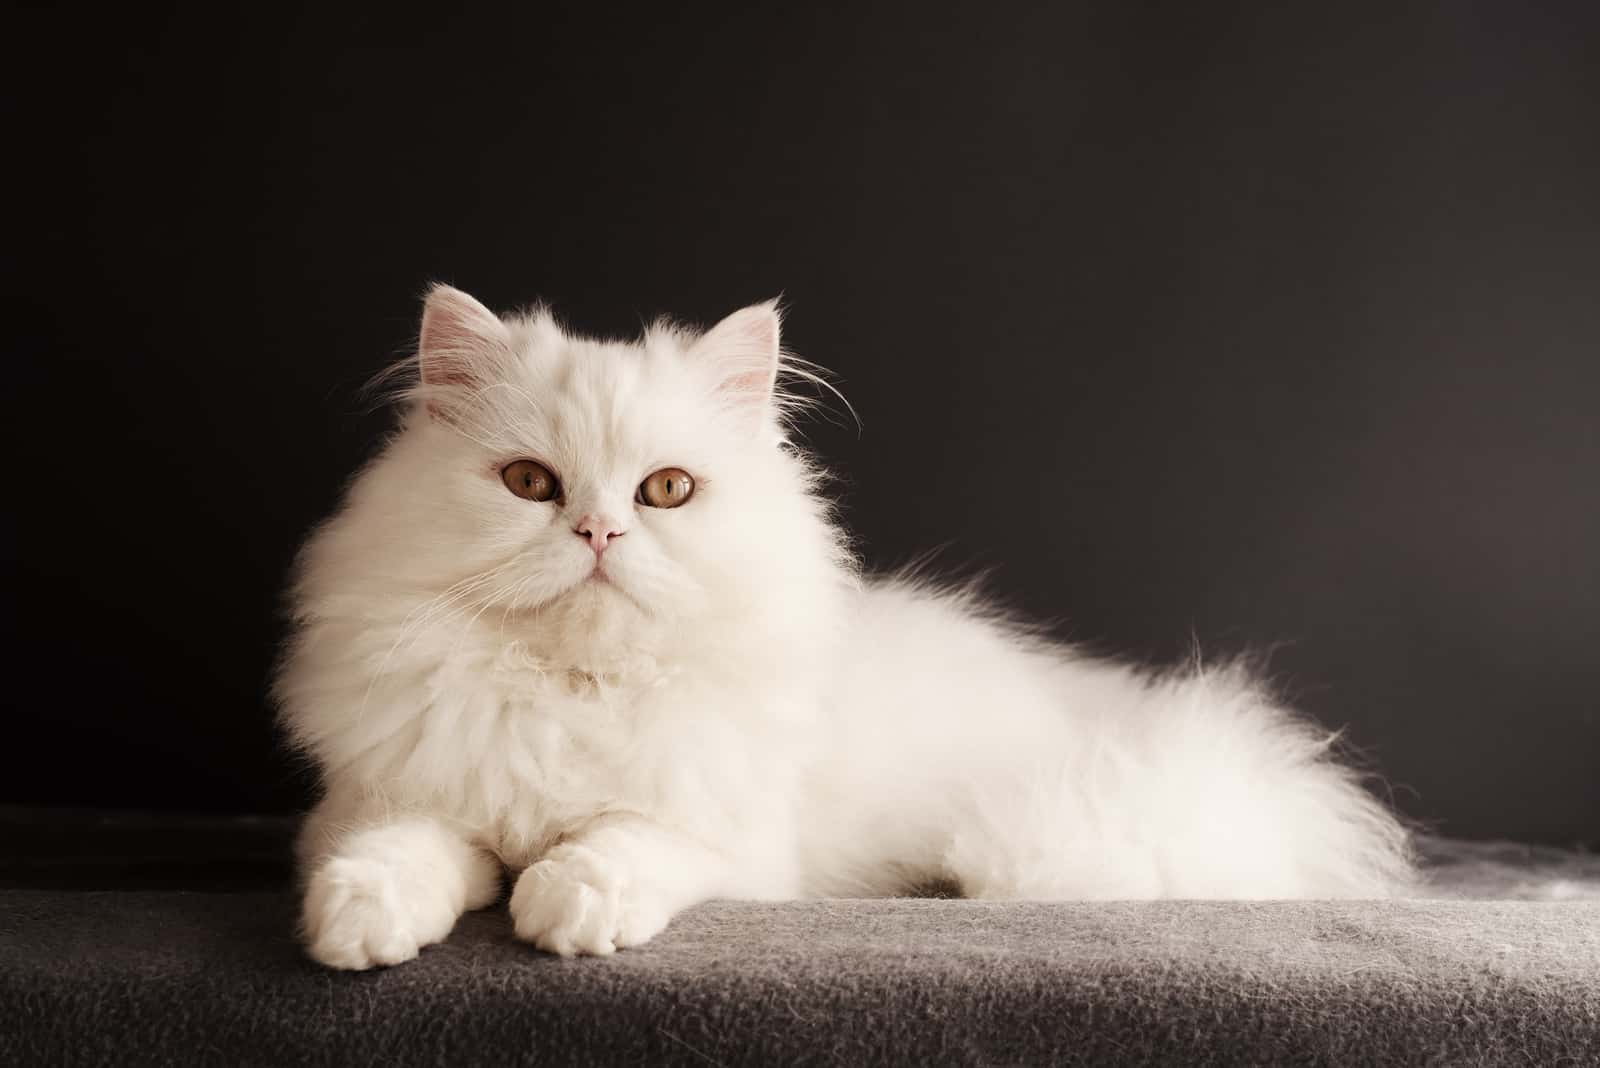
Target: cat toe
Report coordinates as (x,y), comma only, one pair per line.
(569,904)
(355,917)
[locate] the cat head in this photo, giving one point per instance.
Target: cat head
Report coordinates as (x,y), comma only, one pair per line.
(602,487)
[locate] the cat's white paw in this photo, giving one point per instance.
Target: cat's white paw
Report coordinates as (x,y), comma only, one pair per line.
(576,901)
(359,914)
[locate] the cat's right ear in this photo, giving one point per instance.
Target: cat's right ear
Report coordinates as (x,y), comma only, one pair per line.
(462,346)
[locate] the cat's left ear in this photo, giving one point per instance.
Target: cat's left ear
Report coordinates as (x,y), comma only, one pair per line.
(745,349)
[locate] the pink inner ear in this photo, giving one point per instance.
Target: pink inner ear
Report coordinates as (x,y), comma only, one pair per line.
(745,347)
(755,384)
(459,337)
(442,348)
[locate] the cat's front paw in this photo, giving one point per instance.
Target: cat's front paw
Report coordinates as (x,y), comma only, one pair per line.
(360,913)
(576,901)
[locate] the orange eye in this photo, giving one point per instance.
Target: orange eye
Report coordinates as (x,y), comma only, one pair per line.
(530,480)
(667,488)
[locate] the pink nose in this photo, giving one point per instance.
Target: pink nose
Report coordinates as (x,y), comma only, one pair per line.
(598,530)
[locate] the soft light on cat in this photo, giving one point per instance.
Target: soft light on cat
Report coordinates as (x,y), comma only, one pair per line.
(586,620)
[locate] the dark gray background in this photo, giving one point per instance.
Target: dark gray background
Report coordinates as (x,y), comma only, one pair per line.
(1272,326)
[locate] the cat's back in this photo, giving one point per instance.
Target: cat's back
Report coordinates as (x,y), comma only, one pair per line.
(941,664)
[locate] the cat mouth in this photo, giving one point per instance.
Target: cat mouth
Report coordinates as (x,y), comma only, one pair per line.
(602,583)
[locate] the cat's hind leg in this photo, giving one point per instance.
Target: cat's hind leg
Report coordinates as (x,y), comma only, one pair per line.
(1035,833)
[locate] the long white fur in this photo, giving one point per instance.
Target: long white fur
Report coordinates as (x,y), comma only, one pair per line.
(737,713)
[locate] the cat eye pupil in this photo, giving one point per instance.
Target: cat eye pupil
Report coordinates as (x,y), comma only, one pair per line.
(667,488)
(530,480)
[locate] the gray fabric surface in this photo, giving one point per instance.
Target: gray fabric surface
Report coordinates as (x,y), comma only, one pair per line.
(197,978)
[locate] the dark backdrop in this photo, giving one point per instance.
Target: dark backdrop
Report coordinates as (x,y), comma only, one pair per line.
(1270,326)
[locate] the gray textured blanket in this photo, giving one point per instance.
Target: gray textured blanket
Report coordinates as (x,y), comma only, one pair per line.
(196,978)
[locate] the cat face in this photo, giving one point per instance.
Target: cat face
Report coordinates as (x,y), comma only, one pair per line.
(603,481)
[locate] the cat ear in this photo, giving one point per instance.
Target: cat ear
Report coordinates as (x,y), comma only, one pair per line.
(462,343)
(745,348)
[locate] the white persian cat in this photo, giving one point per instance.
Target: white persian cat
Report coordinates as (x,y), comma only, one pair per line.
(587,621)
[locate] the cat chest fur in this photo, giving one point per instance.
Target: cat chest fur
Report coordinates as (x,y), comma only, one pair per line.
(513,751)
(517,751)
